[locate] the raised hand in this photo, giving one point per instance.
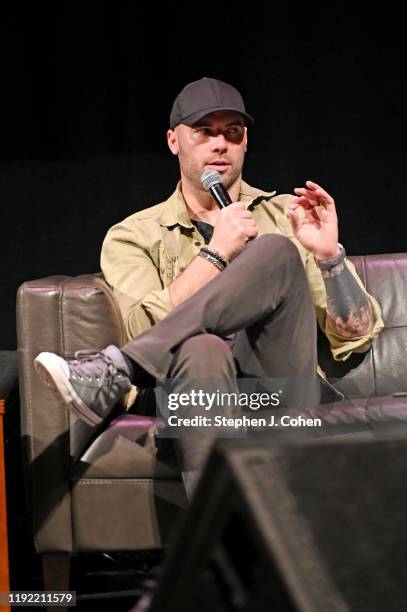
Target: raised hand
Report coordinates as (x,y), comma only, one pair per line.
(317,228)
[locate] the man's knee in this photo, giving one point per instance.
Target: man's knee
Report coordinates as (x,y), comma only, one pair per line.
(270,247)
(204,356)
(271,250)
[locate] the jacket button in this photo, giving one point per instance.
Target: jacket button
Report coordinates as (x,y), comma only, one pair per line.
(197,244)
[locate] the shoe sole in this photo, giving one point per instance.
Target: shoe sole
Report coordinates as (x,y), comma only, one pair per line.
(54,372)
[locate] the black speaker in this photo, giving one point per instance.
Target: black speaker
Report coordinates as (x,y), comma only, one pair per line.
(310,526)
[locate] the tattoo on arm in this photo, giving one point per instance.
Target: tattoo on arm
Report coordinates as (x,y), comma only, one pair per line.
(349,309)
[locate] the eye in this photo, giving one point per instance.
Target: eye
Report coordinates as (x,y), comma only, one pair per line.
(234,130)
(203,130)
(235,133)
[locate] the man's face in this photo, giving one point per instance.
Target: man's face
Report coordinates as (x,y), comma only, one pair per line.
(218,141)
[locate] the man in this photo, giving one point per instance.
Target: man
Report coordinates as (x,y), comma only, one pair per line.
(216,294)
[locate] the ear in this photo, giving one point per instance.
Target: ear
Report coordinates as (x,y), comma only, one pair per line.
(245,137)
(172,141)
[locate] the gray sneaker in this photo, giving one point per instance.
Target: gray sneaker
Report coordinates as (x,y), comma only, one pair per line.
(91,384)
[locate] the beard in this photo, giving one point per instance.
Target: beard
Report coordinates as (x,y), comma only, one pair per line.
(192,171)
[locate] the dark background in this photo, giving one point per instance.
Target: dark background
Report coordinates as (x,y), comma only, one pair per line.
(86,94)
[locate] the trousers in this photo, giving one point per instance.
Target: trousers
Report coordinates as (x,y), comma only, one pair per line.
(262,298)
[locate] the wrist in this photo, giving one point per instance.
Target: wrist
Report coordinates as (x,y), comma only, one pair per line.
(219,250)
(329,254)
(214,257)
(332,262)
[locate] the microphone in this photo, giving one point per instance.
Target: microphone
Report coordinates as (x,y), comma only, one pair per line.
(211,181)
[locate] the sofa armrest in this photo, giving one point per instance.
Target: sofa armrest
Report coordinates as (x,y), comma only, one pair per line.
(59,314)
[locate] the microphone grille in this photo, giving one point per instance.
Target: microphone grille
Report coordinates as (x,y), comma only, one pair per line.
(210,178)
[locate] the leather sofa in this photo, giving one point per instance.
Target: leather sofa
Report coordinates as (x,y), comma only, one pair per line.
(110,490)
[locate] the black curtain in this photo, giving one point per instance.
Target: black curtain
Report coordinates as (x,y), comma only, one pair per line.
(86,95)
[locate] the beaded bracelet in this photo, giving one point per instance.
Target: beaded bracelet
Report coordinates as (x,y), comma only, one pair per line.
(214,258)
(221,258)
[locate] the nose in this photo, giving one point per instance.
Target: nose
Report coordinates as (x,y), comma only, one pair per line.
(219,143)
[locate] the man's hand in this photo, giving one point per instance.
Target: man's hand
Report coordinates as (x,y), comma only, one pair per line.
(317,230)
(233,228)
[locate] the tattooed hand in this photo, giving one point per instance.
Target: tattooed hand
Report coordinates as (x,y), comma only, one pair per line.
(317,230)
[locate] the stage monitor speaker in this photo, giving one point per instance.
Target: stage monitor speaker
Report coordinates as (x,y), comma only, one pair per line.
(277,526)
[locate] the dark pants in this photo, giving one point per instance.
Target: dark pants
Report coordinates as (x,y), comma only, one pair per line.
(264,297)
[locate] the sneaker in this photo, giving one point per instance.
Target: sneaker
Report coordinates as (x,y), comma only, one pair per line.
(91,384)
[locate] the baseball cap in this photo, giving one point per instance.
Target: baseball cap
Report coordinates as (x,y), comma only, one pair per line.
(199,98)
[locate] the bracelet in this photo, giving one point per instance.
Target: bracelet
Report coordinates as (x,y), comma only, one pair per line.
(213,258)
(221,258)
(328,264)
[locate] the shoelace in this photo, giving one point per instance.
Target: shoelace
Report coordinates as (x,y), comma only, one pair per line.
(89,355)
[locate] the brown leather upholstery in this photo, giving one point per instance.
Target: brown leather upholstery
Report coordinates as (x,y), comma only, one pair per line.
(385,276)
(73,475)
(87,492)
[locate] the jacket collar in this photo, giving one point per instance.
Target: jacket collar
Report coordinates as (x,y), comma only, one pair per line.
(175,212)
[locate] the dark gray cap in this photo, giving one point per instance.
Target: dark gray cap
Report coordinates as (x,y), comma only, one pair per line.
(199,98)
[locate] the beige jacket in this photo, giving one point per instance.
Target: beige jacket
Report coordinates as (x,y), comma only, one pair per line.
(143,254)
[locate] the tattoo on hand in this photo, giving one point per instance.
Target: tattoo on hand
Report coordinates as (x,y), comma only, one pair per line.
(349,309)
